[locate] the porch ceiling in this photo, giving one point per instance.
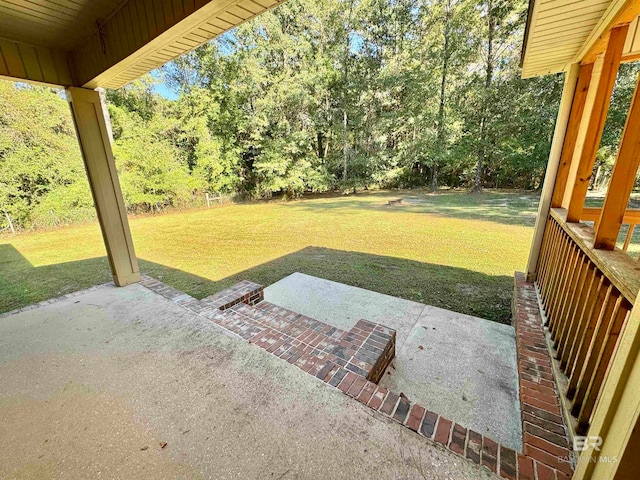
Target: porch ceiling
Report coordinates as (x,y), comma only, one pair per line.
(562,32)
(108,43)
(60,25)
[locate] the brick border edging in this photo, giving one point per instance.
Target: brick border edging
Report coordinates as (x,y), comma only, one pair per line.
(366,349)
(545,435)
(467,443)
(66,296)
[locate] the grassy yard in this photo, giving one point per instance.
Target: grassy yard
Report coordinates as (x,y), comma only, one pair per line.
(452,250)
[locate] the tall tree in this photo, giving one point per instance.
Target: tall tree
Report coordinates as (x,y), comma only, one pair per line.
(446,39)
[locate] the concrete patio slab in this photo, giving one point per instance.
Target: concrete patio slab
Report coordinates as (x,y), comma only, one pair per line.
(459,366)
(94,385)
(342,305)
(463,368)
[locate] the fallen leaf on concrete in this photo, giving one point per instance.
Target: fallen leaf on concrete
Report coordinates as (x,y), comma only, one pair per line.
(163,444)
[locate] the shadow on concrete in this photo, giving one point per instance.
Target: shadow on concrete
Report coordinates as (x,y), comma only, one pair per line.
(503,208)
(456,289)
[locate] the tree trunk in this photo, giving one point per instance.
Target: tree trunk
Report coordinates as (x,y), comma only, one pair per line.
(320,146)
(482,150)
(345,145)
(597,177)
(345,133)
(443,99)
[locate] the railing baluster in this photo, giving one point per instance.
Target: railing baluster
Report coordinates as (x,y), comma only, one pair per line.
(584,308)
(592,306)
(549,269)
(611,337)
(577,314)
(554,278)
(560,278)
(568,288)
(544,252)
(570,303)
(603,303)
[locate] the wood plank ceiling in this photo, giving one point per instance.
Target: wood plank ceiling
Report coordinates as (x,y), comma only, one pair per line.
(558,31)
(109,43)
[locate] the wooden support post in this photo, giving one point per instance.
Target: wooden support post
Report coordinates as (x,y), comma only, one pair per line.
(596,107)
(89,119)
(617,414)
(570,80)
(622,179)
(577,107)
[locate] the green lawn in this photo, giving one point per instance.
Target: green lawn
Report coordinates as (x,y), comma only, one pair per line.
(452,250)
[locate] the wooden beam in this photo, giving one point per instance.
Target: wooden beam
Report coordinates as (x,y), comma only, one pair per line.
(28,63)
(596,107)
(568,96)
(619,13)
(592,214)
(622,179)
(571,135)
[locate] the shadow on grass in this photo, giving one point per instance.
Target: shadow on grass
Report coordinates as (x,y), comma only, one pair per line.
(456,289)
(506,208)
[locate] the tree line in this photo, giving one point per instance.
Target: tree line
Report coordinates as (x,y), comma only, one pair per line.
(313,96)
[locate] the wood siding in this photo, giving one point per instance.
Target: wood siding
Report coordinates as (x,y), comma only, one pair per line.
(145,34)
(109,43)
(558,30)
(41,65)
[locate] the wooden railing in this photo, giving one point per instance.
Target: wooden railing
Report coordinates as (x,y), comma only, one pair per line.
(586,295)
(631,218)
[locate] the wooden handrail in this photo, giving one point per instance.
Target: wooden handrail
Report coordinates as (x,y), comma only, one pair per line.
(616,265)
(592,214)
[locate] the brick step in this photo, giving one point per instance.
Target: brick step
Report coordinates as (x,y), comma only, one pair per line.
(320,350)
(356,336)
(365,350)
(242,292)
(296,325)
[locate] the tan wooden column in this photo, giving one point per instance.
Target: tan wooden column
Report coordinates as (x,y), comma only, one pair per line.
(622,178)
(565,112)
(603,77)
(89,118)
(571,135)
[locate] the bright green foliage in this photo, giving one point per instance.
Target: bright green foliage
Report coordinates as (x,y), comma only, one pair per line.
(314,95)
(152,172)
(42,178)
